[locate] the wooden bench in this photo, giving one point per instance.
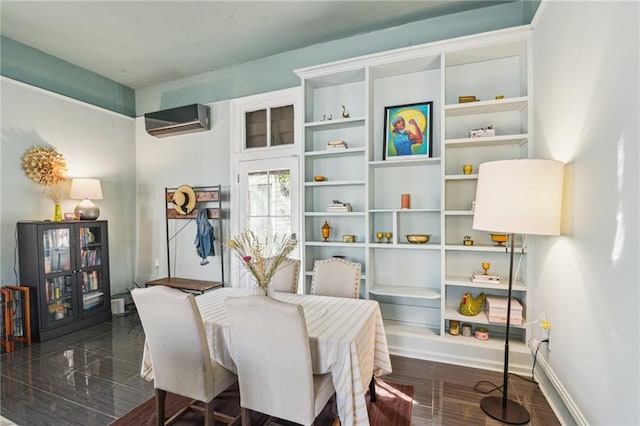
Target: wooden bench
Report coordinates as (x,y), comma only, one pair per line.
(186,284)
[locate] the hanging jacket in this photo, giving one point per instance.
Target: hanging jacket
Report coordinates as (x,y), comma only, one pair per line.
(204,237)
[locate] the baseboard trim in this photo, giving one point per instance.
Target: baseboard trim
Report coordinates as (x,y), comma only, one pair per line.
(559,399)
(557,395)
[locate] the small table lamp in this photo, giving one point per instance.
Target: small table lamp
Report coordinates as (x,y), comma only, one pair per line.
(84,189)
(516,197)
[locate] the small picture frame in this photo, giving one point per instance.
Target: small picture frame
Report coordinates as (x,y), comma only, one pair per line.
(408,131)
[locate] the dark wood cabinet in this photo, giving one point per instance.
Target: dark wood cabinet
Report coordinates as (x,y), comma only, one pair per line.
(66,265)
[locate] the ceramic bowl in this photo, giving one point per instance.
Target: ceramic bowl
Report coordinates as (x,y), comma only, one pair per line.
(319,178)
(418,238)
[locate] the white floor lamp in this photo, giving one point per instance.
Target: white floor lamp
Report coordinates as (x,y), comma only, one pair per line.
(516,197)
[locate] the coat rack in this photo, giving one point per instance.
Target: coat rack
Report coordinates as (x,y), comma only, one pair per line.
(209,198)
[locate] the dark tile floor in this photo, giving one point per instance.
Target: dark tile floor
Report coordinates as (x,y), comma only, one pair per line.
(91,377)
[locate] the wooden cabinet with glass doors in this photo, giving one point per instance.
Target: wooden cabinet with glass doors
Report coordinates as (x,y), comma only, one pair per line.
(66,264)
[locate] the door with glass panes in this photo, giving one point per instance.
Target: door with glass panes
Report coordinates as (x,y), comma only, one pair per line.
(268,199)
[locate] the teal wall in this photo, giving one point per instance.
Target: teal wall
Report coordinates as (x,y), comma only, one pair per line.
(36,68)
(31,66)
(276,72)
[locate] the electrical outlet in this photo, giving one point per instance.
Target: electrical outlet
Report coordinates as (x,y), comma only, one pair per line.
(548,341)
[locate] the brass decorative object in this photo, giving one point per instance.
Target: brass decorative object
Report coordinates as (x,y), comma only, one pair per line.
(499,239)
(467,241)
(326,231)
(379,236)
(465,99)
(486,266)
(388,236)
(418,238)
(345,113)
(44,166)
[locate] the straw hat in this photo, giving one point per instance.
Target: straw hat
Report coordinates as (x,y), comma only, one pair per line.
(184,199)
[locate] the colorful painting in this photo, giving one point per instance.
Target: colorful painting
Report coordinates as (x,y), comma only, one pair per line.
(408,130)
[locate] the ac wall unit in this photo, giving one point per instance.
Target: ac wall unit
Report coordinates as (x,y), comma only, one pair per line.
(177,121)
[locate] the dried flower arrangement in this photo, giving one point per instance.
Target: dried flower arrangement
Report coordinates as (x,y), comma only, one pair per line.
(262,257)
(52,194)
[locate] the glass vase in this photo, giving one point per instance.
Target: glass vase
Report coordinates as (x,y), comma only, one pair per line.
(57,213)
(270,290)
(267,290)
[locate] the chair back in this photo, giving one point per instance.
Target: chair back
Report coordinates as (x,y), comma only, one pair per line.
(286,277)
(336,277)
(270,346)
(177,343)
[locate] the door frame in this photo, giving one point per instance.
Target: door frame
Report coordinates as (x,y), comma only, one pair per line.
(240,157)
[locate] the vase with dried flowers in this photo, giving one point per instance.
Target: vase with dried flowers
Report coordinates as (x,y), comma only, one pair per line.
(262,256)
(54,195)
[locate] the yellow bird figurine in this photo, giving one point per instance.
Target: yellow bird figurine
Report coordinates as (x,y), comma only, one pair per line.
(470,306)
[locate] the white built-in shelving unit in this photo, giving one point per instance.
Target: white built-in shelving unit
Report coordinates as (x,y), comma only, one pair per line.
(418,286)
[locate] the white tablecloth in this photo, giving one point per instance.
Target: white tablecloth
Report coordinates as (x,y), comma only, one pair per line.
(346,336)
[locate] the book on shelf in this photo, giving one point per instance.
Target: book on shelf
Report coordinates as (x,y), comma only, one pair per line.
(339,207)
(485,278)
(336,145)
(496,309)
(498,319)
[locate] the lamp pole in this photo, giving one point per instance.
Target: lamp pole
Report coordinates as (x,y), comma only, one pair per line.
(504,409)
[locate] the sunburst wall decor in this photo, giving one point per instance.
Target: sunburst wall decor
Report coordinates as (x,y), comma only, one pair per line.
(44,166)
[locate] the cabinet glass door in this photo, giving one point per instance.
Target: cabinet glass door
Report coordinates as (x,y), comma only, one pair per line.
(90,271)
(58,286)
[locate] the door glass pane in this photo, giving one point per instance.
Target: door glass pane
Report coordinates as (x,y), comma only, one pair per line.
(90,258)
(57,255)
(256,129)
(58,292)
(282,125)
(269,202)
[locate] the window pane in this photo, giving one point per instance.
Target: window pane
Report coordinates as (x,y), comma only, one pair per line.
(256,129)
(269,202)
(282,125)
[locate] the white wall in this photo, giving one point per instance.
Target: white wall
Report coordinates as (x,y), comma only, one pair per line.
(95,143)
(196,159)
(585,71)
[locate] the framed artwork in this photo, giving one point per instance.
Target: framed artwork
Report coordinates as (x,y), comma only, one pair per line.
(408,130)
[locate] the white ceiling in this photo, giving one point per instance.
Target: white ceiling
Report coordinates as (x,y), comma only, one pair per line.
(143,43)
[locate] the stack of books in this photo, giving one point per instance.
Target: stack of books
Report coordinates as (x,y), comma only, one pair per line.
(338,207)
(483,278)
(336,145)
(496,309)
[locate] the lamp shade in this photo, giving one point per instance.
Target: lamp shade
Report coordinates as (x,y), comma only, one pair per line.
(86,188)
(519,197)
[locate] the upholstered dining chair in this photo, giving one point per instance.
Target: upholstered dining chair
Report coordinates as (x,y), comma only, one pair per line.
(270,346)
(179,353)
(286,277)
(339,278)
(336,277)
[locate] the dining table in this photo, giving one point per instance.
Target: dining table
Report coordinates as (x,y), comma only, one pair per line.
(346,337)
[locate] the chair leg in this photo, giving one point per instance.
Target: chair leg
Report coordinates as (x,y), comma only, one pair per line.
(161,397)
(372,390)
(209,414)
